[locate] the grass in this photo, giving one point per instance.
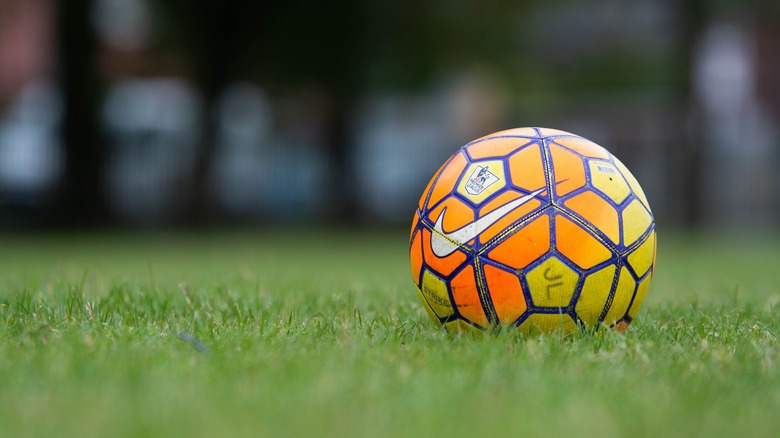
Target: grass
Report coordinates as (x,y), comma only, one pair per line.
(320,333)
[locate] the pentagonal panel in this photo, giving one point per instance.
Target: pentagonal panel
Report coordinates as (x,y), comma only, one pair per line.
(583,147)
(642,258)
(434,290)
(594,294)
(598,212)
(448,178)
(514,209)
(623,294)
(506,293)
(636,220)
(482,179)
(579,245)
(525,245)
(527,169)
(606,179)
(552,283)
(466,297)
(633,183)
(539,323)
(495,147)
(568,170)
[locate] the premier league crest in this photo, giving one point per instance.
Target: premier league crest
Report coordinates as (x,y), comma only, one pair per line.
(481,178)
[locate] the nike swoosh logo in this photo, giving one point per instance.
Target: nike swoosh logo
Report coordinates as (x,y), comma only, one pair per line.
(443,244)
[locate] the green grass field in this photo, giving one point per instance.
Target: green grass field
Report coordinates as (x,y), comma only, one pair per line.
(320,333)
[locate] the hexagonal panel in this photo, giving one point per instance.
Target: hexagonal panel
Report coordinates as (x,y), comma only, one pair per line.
(594,209)
(428,309)
(632,182)
(578,245)
(449,176)
(466,297)
(527,169)
(606,179)
(519,132)
(595,292)
(642,258)
(496,147)
(636,220)
(525,245)
(424,196)
(621,300)
(482,179)
(552,283)
(415,221)
(443,265)
(539,323)
(506,293)
(516,214)
(434,290)
(583,147)
(454,212)
(641,293)
(568,170)
(416,258)
(548,132)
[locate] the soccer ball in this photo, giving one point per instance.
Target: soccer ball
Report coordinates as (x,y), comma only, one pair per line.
(532,228)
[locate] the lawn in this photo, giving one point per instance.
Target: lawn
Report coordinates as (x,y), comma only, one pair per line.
(320,333)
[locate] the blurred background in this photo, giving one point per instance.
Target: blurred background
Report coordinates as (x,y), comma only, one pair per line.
(164,113)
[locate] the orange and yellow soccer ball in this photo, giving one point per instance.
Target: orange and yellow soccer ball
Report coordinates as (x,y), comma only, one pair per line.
(532,228)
